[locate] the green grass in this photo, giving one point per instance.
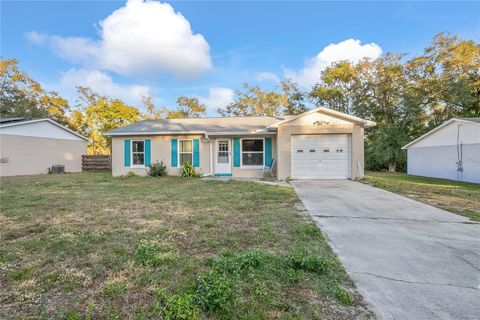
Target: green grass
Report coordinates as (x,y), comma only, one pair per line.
(89,246)
(462,198)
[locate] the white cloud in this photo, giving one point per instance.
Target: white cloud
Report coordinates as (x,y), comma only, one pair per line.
(267,76)
(36,38)
(349,49)
(218,97)
(103,84)
(142,36)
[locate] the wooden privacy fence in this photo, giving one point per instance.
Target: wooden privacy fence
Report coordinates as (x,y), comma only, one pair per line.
(96,162)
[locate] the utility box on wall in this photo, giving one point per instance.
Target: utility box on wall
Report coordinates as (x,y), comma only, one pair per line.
(56,169)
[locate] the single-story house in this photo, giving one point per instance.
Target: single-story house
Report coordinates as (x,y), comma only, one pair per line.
(318,144)
(450,151)
(32,146)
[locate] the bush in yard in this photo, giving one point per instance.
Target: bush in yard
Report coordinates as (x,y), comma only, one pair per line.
(157,169)
(214,292)
(188,171)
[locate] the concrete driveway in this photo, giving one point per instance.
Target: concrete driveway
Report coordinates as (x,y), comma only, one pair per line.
(409,260)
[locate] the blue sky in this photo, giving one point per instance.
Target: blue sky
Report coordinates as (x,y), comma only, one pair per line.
(208,49)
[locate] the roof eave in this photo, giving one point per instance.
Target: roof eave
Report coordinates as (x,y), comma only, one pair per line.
(158,133)
(242,133)
(408,145)
(18,123)
(152,133)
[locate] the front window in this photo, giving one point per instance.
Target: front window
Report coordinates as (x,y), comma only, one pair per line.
(252,152)
(138,153)
(185,151)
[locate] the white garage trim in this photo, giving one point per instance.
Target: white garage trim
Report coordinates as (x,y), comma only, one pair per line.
(321,156)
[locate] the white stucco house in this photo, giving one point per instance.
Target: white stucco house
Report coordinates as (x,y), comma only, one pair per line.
(450,151)
(32,146)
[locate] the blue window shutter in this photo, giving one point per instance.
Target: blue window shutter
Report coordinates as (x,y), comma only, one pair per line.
(127,153)
(148,160)
(174,152)
(236,152)
(196,153)
(268,151)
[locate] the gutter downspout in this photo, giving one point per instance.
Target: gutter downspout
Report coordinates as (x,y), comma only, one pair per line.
(209,157)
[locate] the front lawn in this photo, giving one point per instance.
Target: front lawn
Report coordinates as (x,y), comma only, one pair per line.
(89,246)
(458,197)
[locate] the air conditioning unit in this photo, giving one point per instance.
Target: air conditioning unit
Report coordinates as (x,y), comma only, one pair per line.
(58,168)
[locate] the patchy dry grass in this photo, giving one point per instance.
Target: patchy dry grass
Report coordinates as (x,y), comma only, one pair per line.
(458,197)
(89,246)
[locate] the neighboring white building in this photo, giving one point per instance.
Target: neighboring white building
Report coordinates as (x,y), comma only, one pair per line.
(450,151)
(33,146)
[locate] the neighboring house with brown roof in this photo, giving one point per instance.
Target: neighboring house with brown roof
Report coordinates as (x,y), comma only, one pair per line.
(318,144)
(32,146)
(449,151)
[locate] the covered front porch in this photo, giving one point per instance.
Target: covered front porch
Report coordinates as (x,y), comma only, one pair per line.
(247,156)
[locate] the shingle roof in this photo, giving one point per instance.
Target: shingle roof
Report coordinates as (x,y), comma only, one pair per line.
(197,125)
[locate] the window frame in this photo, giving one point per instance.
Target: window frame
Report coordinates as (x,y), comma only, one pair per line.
(248,166)
(132,152)
(179,165)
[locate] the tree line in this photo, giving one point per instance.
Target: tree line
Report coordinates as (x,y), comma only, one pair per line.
(405,96)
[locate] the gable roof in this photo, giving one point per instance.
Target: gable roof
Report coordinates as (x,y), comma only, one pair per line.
(471,120)
(227,125)
(333,113)
(8,122)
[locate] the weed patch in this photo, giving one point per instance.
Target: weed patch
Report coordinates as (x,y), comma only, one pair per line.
(3,257)
(179,307)
(214,292)
(345,297)
(302,259)
(235,282)
(155,253)
(115,289)
(308,231)
(20,274)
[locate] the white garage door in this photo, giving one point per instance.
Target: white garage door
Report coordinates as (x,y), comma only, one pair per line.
(324,156)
